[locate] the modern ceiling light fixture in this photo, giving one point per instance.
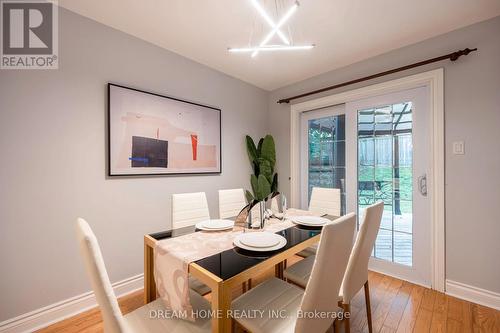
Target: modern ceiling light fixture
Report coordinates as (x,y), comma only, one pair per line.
(271,48)
(275,29)
(269,21)
(285,18)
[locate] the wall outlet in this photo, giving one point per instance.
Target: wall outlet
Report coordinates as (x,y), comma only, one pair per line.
(458,148)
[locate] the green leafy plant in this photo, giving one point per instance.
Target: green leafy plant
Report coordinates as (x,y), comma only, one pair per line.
(264,180)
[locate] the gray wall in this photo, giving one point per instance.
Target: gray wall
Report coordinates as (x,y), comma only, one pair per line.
(52,138)
(472,114)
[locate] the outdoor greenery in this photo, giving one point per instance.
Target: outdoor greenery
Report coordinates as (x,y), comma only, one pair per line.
(384,175)
(264,180)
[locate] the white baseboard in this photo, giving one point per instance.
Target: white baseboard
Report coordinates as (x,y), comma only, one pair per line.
(53,313)
(473,294)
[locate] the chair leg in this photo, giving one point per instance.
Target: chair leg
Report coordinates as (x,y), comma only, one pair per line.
(368,307)
(347,321)
(278,270)
(336,326)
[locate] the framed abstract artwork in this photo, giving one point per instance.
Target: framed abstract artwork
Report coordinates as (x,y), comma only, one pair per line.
(152,134)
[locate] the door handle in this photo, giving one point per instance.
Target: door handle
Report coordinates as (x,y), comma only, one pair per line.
(422,185)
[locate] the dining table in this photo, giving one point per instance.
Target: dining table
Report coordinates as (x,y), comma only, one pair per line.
(225,270)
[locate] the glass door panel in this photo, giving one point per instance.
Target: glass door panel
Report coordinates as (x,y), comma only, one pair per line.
(388,151)
(325,163)
(385,174)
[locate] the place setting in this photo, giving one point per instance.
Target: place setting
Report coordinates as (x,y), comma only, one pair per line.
(215,225)
(310,221)
(258,244)
(260,241)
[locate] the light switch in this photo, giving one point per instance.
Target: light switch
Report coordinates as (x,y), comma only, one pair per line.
(458,148)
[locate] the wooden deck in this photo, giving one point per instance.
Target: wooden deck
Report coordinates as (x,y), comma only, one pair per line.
(402,243)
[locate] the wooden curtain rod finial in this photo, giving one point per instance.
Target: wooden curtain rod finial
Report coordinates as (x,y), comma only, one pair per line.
(451,56)
(454,56)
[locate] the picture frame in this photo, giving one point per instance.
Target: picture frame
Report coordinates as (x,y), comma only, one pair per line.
(151,134)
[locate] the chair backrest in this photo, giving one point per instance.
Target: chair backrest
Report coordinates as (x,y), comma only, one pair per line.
(94,263)
(231,202)
(323,288)
(325,201)
(189,209)
(357,270)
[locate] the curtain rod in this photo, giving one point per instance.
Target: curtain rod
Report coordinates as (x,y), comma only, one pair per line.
(452,56)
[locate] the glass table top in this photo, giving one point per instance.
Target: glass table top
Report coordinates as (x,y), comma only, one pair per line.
(231,262)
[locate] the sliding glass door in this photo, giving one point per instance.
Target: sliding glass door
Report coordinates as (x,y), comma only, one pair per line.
(377,149)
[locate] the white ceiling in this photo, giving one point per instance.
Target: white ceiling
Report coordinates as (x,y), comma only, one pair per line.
(344,31)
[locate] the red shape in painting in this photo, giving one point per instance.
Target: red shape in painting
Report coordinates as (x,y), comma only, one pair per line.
(194,144)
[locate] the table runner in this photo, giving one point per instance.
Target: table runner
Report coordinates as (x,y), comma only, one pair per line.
(172,257)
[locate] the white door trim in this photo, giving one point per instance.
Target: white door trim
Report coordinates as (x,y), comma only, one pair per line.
(435,81)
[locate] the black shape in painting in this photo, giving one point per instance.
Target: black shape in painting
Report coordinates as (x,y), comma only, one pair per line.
(149,153)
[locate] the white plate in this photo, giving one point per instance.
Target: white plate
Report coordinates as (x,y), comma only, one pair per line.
(260,241)
(310,221)
(215,225)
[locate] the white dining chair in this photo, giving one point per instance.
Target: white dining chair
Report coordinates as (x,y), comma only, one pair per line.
(356,275)
(323,201)
(231,202)
(277,296)
(139,320)
(187,210)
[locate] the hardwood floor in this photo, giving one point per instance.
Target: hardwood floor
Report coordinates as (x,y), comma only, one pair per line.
(397,306)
